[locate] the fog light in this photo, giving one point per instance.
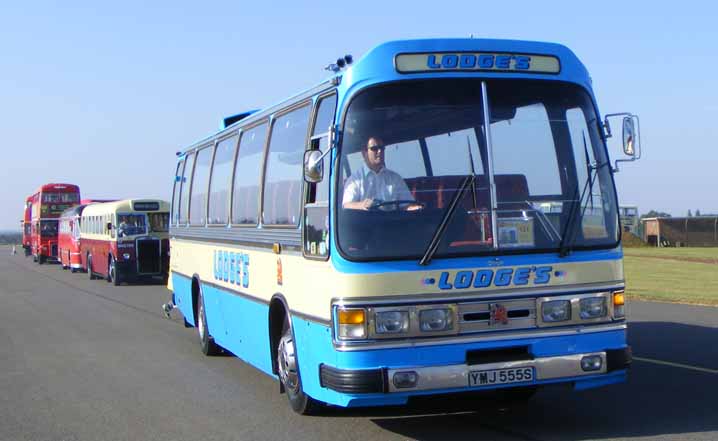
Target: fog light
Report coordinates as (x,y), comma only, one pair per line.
(591,363)
(126,256)
(593,307)
(404,380)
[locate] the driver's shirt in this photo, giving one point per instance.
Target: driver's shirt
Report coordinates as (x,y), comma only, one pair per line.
(386,185)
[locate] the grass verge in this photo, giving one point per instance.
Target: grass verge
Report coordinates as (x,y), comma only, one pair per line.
(666,276)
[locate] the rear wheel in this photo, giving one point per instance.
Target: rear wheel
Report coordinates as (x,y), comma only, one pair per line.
(209,347)
(300,402)
(40,259)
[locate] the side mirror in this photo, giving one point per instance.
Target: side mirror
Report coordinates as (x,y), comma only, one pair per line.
(629,136)
(109,225)
(313,166)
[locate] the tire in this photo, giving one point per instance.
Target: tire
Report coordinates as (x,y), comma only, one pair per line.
(90,274)
(288,368)
(112,275)
(73,270)
(40,259)
(209,347)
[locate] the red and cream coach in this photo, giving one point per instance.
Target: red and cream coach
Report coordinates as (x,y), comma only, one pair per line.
(126,240)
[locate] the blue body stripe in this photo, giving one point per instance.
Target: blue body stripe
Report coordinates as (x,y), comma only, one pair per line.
(348,267)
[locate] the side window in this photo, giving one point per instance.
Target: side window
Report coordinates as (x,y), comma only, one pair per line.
(184,189)
(322,123)
(200,183)
(176,192)
(283,177)
(245,192)
(316,211)
(220,182)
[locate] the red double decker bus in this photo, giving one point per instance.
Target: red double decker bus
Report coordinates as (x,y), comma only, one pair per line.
(26,224)
(48,203)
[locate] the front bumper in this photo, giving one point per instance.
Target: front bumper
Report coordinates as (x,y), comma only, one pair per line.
(547,370)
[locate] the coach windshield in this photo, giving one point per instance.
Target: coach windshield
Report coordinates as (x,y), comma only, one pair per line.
(412,150)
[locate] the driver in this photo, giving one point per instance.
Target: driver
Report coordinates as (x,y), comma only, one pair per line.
(373,183)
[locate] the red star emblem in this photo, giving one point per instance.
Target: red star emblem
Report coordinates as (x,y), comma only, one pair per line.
(499,314)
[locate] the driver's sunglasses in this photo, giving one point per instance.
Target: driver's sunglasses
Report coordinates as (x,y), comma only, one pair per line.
(376,148)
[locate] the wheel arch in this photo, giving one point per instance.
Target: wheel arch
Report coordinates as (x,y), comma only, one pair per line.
(278,311)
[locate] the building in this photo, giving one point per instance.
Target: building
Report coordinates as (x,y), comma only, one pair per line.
(697,231)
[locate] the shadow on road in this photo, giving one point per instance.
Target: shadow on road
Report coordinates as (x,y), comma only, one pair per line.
(656,400)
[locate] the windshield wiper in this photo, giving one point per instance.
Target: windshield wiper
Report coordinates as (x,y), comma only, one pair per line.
(436,238)
(569,231)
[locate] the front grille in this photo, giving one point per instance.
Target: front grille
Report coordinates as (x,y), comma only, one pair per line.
(476,317)
(148,256)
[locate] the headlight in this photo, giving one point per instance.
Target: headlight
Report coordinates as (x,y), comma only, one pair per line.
(126,256)
(593,308)
(556,311)
(352,323)
(435,320)
(391,322)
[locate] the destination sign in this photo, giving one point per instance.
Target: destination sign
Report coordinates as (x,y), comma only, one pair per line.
(476,61)
(146,206)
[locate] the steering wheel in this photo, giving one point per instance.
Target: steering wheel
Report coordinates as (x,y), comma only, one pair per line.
(377,204)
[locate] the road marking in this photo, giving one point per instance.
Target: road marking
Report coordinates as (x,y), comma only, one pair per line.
(678,365)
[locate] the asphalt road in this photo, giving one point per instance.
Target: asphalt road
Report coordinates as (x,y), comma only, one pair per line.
(84,360)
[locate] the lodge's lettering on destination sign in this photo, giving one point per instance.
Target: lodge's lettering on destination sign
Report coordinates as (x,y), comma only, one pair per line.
(437,62)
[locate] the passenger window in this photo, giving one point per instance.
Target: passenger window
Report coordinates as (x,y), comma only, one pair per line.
(283,177)
(220,181)
(200,182)
(184,189)
(176,191)
(245,192)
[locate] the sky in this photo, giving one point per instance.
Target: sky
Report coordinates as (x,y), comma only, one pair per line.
(103,94)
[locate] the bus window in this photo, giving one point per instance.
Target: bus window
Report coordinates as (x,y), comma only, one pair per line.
(283,178)
(176,191)
(324,119)
(406,159)
(316,212)
(159,222)
(246,175)
(184,189)
(220,181)
(445,148)
(200,182)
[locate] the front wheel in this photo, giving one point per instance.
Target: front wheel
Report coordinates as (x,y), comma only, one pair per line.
(300,402)
(90,274)
(209,347)
(112,275)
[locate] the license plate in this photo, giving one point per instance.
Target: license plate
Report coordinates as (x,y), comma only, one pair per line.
(501,376)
